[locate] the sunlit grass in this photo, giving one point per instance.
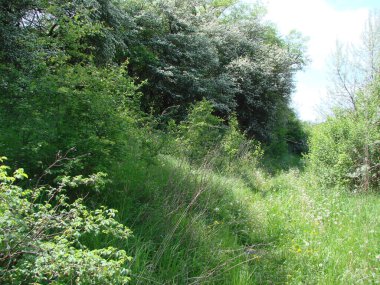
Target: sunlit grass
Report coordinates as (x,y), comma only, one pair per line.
(328,236)
(193,226)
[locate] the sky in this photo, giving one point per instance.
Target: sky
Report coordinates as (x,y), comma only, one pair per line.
(323,22)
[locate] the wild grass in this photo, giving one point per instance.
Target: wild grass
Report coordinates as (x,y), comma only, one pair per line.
(194,226)
(326,236)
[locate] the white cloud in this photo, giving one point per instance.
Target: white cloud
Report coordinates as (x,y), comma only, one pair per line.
(323,25)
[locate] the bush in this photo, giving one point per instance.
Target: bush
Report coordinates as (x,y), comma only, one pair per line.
(41,238)
(237,153)
(84,107)
(201,132)
(345,148)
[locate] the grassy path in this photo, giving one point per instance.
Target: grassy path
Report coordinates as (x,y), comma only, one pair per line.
(193,226)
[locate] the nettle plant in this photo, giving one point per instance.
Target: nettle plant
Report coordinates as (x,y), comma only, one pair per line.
(42,233)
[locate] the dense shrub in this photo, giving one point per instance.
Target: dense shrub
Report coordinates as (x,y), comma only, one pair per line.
(237,154)
(83,107)
(41,238)
(345,148)
(333,144)
(205,138)
(201,132)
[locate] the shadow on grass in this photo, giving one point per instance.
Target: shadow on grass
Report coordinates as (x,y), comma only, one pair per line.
(274,164)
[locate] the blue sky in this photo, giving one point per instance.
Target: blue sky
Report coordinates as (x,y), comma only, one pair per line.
(349,5)
(324,22)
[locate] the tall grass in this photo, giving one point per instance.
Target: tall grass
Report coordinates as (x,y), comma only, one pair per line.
(326,236)
(195,226)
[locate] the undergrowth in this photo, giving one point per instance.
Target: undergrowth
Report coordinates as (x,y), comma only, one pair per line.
(195,225)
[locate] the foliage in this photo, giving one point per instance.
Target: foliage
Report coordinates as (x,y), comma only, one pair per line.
(204,138)
(42,231)
(289,135)
(200,132)
(220,51)
(81,107)
(59,89)
(76,74)
(238,155)
(65,81)
(344,149)
(233,140)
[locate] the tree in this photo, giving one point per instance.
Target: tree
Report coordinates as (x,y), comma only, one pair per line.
(216,50)
(57,96)
(345,149)
(352,132)
(354,67)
